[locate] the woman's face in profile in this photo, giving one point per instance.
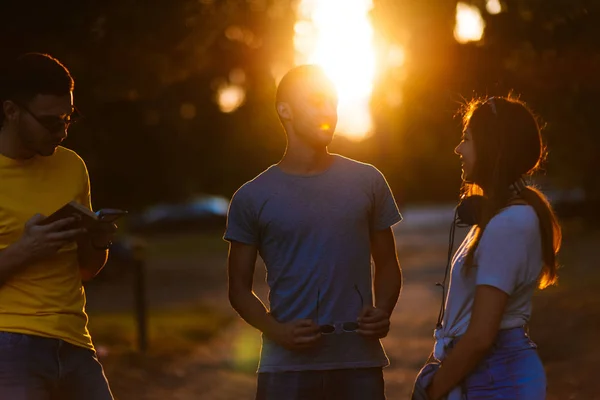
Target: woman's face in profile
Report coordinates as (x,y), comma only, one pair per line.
(466,151)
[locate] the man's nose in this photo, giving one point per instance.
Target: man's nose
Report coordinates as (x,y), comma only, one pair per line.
(61,134)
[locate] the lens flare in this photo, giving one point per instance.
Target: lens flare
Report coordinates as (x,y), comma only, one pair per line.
(338,36)
(493,6)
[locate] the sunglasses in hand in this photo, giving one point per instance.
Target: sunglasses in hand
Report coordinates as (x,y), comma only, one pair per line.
(350,326)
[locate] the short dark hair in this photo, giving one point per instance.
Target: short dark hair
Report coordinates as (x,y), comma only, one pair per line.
(32,74)
(294,78)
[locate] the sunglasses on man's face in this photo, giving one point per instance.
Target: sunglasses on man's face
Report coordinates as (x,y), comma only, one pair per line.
(51,123)
(350,326)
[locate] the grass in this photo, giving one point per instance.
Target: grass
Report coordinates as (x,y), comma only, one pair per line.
(169,331)
(566,320)
(186,244)
(172,336)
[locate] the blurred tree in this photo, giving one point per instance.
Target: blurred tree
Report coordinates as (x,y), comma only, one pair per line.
(548,51)
(148,76)
(551,51)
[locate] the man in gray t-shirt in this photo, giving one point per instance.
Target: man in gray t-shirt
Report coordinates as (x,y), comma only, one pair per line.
(316,219)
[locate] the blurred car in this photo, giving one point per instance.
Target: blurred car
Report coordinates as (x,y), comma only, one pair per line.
(574,203)
(200,213)
(566,202)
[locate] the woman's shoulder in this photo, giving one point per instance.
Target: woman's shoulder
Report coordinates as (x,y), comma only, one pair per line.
(515,219)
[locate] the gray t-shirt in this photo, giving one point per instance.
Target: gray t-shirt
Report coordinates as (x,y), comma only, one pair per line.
(313,233)
(509,257)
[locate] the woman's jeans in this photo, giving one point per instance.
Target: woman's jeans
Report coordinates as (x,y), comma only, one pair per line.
(512,370)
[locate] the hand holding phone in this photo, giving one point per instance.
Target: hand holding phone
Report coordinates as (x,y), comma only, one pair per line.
(87,218)
(99,226)
(44,240)
(110,215)
(102,234)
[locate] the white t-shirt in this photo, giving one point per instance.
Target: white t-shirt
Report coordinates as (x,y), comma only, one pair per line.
(509,257)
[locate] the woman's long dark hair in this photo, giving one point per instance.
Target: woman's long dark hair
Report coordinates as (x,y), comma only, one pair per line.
(508,146)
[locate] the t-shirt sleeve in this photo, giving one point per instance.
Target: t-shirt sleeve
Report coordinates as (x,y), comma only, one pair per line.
(501,256)
(385,211)
(242,222)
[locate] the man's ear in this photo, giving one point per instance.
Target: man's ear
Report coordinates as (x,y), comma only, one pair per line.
(10,110)
(284,111)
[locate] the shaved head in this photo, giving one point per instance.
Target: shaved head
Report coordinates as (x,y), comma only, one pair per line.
(298,78)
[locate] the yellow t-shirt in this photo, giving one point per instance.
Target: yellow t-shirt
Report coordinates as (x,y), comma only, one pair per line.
(45,298)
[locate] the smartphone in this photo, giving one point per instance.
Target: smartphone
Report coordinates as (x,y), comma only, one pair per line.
(110,215)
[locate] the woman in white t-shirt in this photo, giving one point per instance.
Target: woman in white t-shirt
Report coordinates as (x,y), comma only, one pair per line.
(481,338)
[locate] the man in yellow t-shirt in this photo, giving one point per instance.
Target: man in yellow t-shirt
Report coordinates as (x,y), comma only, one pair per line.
(46,351)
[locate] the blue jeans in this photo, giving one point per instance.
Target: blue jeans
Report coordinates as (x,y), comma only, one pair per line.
(39,368)
(342,384)
(512,370)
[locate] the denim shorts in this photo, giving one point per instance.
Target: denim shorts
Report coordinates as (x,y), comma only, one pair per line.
(511,370)
(338,384)
(39,368)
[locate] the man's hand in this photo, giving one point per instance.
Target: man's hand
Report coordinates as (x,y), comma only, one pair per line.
(40,241)
(296,335)
(103,235)
(373,322)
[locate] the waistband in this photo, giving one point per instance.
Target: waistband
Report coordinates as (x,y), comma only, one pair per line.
(503,338)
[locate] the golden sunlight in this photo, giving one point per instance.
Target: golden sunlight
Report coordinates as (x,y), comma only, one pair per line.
(469,23)
(338,36)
